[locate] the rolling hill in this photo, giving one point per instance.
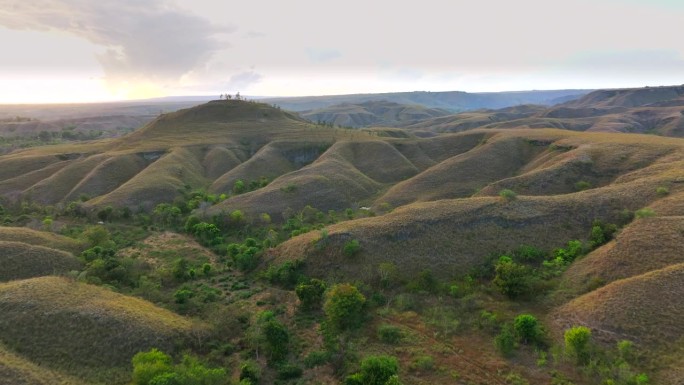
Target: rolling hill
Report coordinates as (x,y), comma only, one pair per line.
(437,204)
(48,320)
(371,113)
(653,110)
(450,100)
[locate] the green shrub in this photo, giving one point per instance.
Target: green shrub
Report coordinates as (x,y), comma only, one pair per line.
(310,294)
(512,279)
(148,365)
(644,213)
(250,371)
(505,341)
(289,371)
(582,185)
(351,248)
(526,328)
(389,334)
(277,339)
(577,341)
(316,358)
(375,370)
(508,194)
(423,363)
(662,191)
(344,306)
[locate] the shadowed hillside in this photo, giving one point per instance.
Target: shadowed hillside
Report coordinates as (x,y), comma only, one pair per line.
(49,319)
(16,370)
(371,113)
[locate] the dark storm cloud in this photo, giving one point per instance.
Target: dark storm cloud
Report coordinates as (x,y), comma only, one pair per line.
(149,39)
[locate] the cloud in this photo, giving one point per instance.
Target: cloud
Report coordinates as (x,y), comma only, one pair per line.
(630,61)
(243,80)
(322,55)
(150,40)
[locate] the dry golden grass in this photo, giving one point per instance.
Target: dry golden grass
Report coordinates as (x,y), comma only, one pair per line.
(330,183)
(13,187)
(451,236)
(20,260)
(84,330)
(271,161)
(647,244)
(108,175)
(221,159)
(464,174)
(40,238)
(647,309)
(161,181)
(56,187)
(16,370)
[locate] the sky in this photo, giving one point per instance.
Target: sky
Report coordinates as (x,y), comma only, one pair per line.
(99,50)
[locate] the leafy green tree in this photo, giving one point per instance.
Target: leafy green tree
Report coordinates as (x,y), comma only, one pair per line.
(239,186)
(148,365)
(577,340)
(250,371)
(344,306)
(351,248)
(277,339)
(310,294)
(512,279)
(155,368)
(526,328)
(376,370)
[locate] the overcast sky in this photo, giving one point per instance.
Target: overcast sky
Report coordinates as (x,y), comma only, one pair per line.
(91,50)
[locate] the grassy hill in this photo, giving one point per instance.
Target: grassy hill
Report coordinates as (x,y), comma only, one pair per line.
(371,113)
(16,370)
(450,100)
(442,208)
(21,260)
(656,110)
(81,329)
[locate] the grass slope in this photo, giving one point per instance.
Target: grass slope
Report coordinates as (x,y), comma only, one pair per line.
(451,236)
(40,238)
(84,330)
(646,309)
(20,260)
(646,245)
(16,370)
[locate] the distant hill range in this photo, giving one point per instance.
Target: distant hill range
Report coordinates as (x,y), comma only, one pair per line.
(454,101)
(372,113)
(652,110)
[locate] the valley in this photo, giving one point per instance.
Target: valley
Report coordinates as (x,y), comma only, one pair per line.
(529,244)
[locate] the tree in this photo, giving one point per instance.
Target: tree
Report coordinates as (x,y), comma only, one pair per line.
(526,328)
(277,339)
(351,248)
(239,186)
(577,343)
(148,365)
(344,306)
(376,370)
(512,279)
(310,294)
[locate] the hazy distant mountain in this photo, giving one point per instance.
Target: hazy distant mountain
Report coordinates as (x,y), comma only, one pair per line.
(454,101)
